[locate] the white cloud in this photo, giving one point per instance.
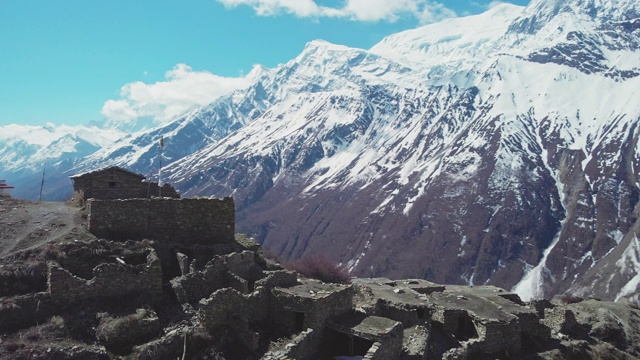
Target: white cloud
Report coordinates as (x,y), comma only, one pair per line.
(183,89)
(300,8)
(494,3)
(433,12)
(119,111)
(376,10)
(425,11)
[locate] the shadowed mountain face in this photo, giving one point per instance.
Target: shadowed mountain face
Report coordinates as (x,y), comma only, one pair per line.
(505,157)
(495,149)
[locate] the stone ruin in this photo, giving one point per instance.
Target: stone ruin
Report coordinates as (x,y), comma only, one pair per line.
(210,294)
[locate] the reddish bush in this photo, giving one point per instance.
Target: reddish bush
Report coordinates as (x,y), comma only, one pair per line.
(321,268)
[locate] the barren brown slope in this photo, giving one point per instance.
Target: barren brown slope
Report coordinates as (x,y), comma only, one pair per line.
(25,224)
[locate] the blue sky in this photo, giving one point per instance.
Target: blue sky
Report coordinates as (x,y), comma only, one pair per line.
(73,61)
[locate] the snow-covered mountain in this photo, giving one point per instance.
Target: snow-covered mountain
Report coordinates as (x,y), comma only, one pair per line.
(500,148)
(25,151)
(140,151)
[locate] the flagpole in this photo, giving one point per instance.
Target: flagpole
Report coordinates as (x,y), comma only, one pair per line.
(44,167)
(160,168)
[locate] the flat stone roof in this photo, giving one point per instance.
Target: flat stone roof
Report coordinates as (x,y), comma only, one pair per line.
(482,302)
(313,289)
(366,327)
(407,292)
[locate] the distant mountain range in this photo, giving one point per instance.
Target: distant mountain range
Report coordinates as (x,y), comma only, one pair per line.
(26,151)
(500,148)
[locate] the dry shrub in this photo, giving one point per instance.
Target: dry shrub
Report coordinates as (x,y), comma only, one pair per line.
(119,334)
(38,269)
(53,329)
(51,252)
(13,346)
(321,268)
(8,304)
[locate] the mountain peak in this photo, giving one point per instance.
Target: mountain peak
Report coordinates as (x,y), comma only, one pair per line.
(318,44)
(450,41)
(257,72)
(541,12)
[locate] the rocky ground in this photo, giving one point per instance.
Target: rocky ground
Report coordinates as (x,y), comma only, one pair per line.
(27,225)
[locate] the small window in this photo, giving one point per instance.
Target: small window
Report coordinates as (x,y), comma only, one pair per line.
(112,184)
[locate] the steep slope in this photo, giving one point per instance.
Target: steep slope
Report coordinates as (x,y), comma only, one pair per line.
(194,130)
(507,156)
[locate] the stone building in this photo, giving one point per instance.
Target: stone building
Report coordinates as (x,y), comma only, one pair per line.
(117,183)
(5,189)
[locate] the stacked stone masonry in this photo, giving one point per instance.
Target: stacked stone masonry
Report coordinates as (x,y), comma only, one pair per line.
(110,280)
(187,221)
(117,183)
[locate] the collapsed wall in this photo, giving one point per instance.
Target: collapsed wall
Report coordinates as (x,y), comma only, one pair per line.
(189,221)
(116,271)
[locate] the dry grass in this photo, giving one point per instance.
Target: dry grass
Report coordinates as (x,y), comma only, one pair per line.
(8,304)
(53,330)
(111,327)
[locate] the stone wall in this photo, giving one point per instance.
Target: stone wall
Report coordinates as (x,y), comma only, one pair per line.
(499,337)
(375,352)
(187,221)
(530,326)
(239,271)
(110,280)
(408,315)
(228,305)
(390,345)
(450,319)
(561,319)
(301,347)
(278,278)
(316,310)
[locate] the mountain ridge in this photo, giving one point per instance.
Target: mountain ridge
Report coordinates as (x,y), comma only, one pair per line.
(508,157)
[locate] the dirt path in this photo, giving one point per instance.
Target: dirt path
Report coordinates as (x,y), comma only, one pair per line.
(26,225)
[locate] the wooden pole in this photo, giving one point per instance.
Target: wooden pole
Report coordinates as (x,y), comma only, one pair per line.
(42,183)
